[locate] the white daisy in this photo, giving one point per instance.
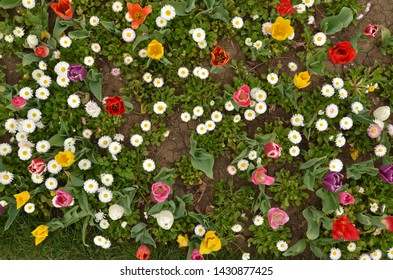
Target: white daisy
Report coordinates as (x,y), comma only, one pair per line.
(94,21)
(327,90)
(21,136)
(104,224)
(335,254)
(294,151)
(88,61)
(248,42)
(231,170)
(202,44)
(196,70)
(24,153)
(148,165)
(216,116)
(237,22)
(237,228)
(319,39)
(229,106)
(376,255)
(182,72)
(364,257)
(203,73)
(142,53)
(61,68)
(128,60)
(185,116)
(161,22)
(90,186)
(342,93)
(11,125)
(356,107)
(128,17)
(159,107)
(37,74)
(158,82)
(198,35)
(5,149)
(95,47)
(346,123)
(42,146)
(105,196)
(114,148)
(260,107)
(84,164)
(249,115)
(65,41)
(37,179)
(128,35)
(28,4)
(198,111)
(200,230)
(237,118)
(380,150)
(6,177)
(168,12)
(335,165)
(107,179)
(272,78)
(308,3)
(45,81)
(201,129)
(242,164)
(87,133)
(282,246)
(292,66)
(63,81)
(340,140)
(297,120)
(210,125)
(390,253)
(104,141)
(29,207)
(117,6)
(92,109)
(294,136)
(257,44)
(53,167)
(9,38)
(258,220)
(252,155)
(99,240)
(351,247)
(145,125)
(147,77)
(331,111)
(74,101)
(26,93)
(337,83)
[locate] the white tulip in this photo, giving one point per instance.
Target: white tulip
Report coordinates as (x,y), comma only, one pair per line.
(116,212)
(382,113)
(165,219)
(32,41)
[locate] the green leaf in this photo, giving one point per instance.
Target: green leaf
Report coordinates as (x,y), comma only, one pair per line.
(12,213)
(242,155)
(83,201)
(317,251)
(59,28)
(363,219)
(201,160)
(75,181)
(137,228)
(190,6)
(309,180)
(10,4)
(166,175)
(296,249)
(127,200)
(57,140)
(94,82)
(329,201)
(264,139)
(220,13)
(148,239)
(312,225)
(315,162)
(28,58)
(110,26)
(79,34)
(333,24)
(139,39)
(157,208)
(84,230)
(356,170)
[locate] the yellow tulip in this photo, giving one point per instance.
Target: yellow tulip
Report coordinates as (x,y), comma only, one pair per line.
(21,199)
(282,29)
(302,79)
(210,243)
(40,233)
(65,158)
(182,240)
(155,50)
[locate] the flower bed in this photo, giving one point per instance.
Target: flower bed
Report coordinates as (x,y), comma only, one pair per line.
(250,126)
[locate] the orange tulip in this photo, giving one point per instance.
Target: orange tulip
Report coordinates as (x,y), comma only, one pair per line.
(143,252)
(219,56)
(138,14)
(63,9)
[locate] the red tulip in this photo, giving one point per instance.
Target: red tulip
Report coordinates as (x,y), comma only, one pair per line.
(388,222)
(63,9)
(143,252)
(138,14)
(41,51)
(219,56)
(371,30)
(272,150)
(342,228)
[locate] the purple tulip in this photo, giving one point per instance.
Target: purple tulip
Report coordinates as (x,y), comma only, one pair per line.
(76,72)
(332,181)
(386,173)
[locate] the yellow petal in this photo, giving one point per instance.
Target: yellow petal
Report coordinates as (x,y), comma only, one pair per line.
(354,153)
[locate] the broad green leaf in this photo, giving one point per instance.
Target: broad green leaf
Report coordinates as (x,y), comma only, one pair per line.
(333,24)
(315,162)
(157,208)
(127,200)
(83,201)
(84,230)
(356,170)
(264,139)
(137,228)
(201,160)
(190,6)
(296,249)
(59,28)
(79,34)
(312,225)
(110,26)
(12,213)
(220,13)
(309,180)
(363,219)
(329,201)
(94,82)
(10,4)
(28,58)
(242,155)
(317,251)
(139,39)
(57,140)
(75,181)
(166,175)
(148,239)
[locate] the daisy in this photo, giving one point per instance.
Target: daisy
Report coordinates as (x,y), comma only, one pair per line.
(5,149)
(198,111)
(53,167)
(168,12)
(34,115)
(331,111)
(37,74)
(95,47)
(319,39)
(203,73)
(372,88)
(84,164)
(380,150)
(210,125)
(300,8)
(11,125)
(231,170)
(335,254)
(28,126)
(42,65)
(292,66)
(374,131)
(390,129)
(26,93)
(237,118)
(185,117)
(374,207)
(260,107)
(104,141)
(340,140)
(376,255)
(321,125)
(198,35)
(88,61)
(9,38)
(6,177)
(249,115)
(182,72)
(105,196)
(242,164)
(337,83)
(74,101)
(128,17)
(356,107)
(18,32)
(342,93)
(229,106)
(28,4)
(92,109)
(128,35)
(60,69)
(65,41)
(136,140)
(94,21)
(335,165)
(200,230)
(297,120)
(252,155)
(267,28)
(90,186)
(248,42)
(147,77)
(294,136)
(142,53)
(201,129)
(282,246)
(87,133)
(308,3)
(364,257)
(158,82)
(107,179)
(159,107)
(37,179)
(24,153)
(237,22)
(311,20)
(196,70)
(327,90)
(45,81)
(216,116)
(29,208)
(21,136)
(145,125)
(128,60)
(272,78)
(351,247)
(294,151)
(99,240)
(104,224)
(114,148)
(117,6)
(63,81)
(346,123)
(42,146)
(390,253)
(202,44)
(258,220)
(161,22)
(149,165)
(257,44)
(237,228)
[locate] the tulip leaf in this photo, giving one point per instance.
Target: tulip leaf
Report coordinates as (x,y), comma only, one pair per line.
(75,181)
(28,58)
(139,39)
(220,13)
(166,175)
(315,162)
(363,219)
(333,24)
(264,139)
(137,228)
(12,213)
(79,34)
(296,249)
(94,82)
(312,225)
(329,201)
(126,200)
(356,170)
(201,160)
(57,140)
(318,252)
(10,4)
(110,26)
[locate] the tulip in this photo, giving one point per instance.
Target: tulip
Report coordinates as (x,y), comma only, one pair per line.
(342,228)
(62,199)
(182,240)
(116,212)
(160,191)
(272,150)
(76,72)
(63,9)
(165,219)
(32,41)
(371,30)
(382,113)
(41,51)
(332,181)
(219,57)
(143,252)
(210,243)
(282,29)
(388,223)
(21,199)
(259,177)
(196,255)
(37,166)
(386,173)
(18,102)
(302,79)
(242,96)
(40,233)
(138,14)
(346,198)
(277,217)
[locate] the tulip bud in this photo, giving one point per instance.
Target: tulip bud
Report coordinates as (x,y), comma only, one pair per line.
(32,41)
(41,51)
(272,150)
(382,113)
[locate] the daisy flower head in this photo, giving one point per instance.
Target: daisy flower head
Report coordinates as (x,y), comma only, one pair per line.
(9,38)
(90,186)
(342,93)
(201,129)
(297,120)
(300,8)
(376,255)
(248,42)
(114,148)
(147,77)
(142,53)
(331,111)
(340,140)
(294,151)
(88,61)
(202,44)
(161,22)
(335,165)
(105,196)
(26,93)
(321,125)
(335,254)
(18,32)
(237,22)
(99,240)
(200,230)
(24,153)
(168,12)
(128,35)
(351,247)
(198,35)
(231,170)
(61,69)
(338,83)
(380,150)
(260,107)
(128,60)
(282,246)
(94,21)
(374,207)
(390,129)
(185,117)
(45,81)
(346,123)
(34,115)
(203,73)
(374,131)
(37,74)
(128,17)
(249,115)
(237,228)
(28,126)
(198,111)
(390,253)
(229,106)
(5,149)
(327,90)
(6,177)
(258,220)
(267,28)
(216,116)
(21,136)
(308,3)
(136,140)
(272,78)
(37,179)
(182,72)
(107,179)
(63,81)
(104,141)
(294,136)
(159,107)
(145,125)
(292,66)
(42,65)
(53,167)
(42,146)
(210,125)
(74,101)
(29,207)
(65,41)
(258,94)
(87,133)
(158,82)
(372,88)
(242,164)
(252,155)
(148,165)
(84,164)
(257,44)
(237,118)
(357,107)
(117,6)
(364,257)
(11,125)
(95,47)
(28,4)
(104,224)
(92,109)
(319,39)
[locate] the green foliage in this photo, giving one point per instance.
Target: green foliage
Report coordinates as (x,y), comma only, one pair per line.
(333,24)
(201,160)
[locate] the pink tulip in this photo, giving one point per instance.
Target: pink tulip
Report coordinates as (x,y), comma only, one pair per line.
(346,198)
(242,96)
(37,166)
(160,191)
(277,217)
(195,255)
(18,102)
(272,150)
(259,177)
(62,199)
(388,223)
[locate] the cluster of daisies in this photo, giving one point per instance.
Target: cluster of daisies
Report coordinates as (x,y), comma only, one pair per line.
(335,253)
